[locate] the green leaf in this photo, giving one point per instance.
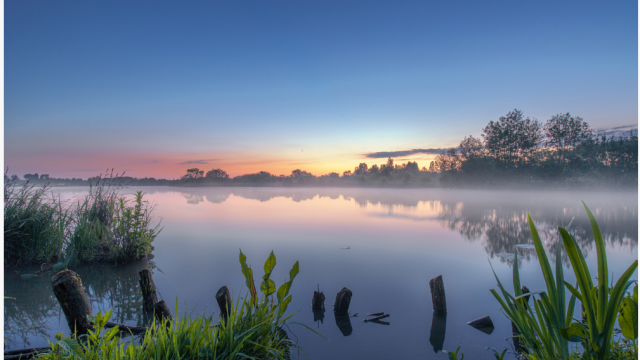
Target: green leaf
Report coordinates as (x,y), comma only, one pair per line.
(269,265)
(268,287)
(603,271)
(294,271)
(574,333)
(284,305)
(628,318)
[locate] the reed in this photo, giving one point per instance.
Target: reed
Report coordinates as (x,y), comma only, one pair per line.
(547,327)
(36,224)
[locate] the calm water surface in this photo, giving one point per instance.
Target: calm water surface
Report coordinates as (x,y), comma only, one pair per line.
(395,240)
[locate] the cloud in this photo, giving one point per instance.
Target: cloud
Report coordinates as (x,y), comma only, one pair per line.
(386,154)
(618,130)
(191,162)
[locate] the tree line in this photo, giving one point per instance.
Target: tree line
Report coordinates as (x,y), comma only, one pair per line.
(563,150)
(518,150)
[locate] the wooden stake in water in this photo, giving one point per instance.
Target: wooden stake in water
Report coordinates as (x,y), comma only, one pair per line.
(438,298)
(343,299)
(148,288)
(67,286)
(223,297)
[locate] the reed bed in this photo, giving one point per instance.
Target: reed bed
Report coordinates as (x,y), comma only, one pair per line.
(102,226)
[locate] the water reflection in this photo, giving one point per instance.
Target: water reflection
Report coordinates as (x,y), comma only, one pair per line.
(36,314)
(498,219)
(438,330)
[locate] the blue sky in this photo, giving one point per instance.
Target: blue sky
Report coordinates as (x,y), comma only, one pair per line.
(146,86)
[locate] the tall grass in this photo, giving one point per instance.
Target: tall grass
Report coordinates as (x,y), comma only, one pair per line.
(547,327)
(36,225)
(104,225)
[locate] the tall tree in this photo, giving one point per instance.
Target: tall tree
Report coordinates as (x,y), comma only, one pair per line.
(565,131)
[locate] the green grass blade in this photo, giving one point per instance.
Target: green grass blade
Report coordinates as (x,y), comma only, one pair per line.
(603,271)
(544,261)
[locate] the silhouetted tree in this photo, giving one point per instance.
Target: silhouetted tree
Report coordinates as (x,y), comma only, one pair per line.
(374,169)
(217,174)
(193,173)
(361,169)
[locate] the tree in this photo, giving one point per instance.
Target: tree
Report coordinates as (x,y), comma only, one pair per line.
(388,168)
(44,177)
(31,176)
(374,169)
(565,131)
(217,174)
(512,137)
(411,167)
(346,173)
(361,169)
(193,173)
(470,147)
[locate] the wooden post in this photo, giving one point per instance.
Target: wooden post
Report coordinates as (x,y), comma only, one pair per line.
(162,311)
(67,286)
(438,298)
(148,287)
(317,303)
(343,299)
(223,297)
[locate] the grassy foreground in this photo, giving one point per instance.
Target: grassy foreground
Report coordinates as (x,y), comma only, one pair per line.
(101,226)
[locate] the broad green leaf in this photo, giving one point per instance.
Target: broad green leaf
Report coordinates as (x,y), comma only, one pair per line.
(628,318)
(574,333)
(268,287)
(269,265)
(294,271)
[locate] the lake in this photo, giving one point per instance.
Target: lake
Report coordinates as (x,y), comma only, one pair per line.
(383,244)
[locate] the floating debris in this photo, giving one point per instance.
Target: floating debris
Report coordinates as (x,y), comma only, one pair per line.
(380,322)
(376,314)
(506,256)
(526,246)
(377,318)
(354,315)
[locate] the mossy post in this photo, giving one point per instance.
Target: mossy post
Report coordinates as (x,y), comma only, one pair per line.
(161,311)
(67,286)
(438,298)
(148,288)
(343,299)
(223,297)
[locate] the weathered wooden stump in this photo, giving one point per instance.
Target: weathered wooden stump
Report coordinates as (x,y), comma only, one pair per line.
(317,302)
(223,297)
(343,299)
(67,286)
(148,288)
(483,324)
(438,297)
(438,331)
(162,312)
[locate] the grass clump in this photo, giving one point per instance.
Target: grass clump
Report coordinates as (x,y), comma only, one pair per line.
(103,226)
(36,225)
(547,326)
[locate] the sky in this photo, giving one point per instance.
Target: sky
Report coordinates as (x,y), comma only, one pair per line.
(156,87)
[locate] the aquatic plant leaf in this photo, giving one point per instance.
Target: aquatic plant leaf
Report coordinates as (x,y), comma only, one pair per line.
(574,333)
(268,287)
(628,318)
(269,265)
(284,305)
(294,271)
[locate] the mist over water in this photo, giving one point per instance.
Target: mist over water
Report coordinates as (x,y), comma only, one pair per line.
(397,240)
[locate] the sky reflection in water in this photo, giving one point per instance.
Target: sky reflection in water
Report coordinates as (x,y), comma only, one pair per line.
(397,240)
